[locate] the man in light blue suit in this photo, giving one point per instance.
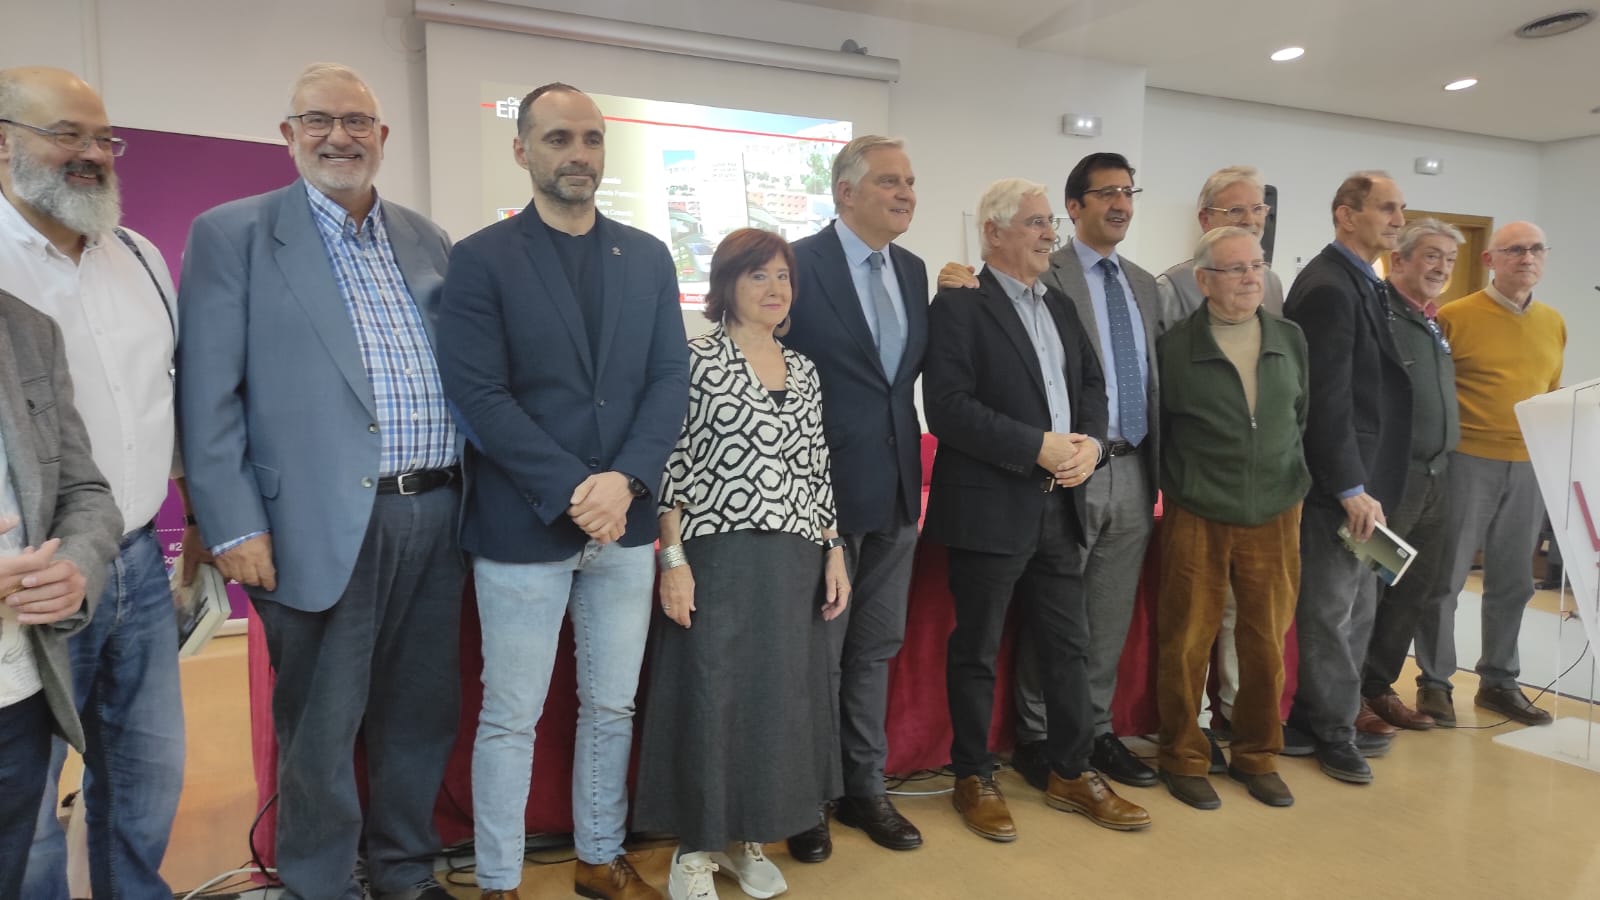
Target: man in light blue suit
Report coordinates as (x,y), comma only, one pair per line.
(323,468)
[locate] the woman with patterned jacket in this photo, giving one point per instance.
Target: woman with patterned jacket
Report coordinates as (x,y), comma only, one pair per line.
(738,748)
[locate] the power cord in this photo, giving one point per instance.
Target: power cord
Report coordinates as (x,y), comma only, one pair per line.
(1542,691)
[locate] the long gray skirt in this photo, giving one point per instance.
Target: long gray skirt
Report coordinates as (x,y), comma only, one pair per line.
(738,741)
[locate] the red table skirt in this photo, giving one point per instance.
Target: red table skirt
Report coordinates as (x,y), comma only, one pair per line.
(918,723)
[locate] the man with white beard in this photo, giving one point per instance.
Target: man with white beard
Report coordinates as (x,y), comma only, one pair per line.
(109,290)
(324,468)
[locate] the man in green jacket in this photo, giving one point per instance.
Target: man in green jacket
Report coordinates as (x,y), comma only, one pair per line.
(1233,474)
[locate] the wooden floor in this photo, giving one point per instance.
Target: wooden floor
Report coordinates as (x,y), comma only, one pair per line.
(1451,814)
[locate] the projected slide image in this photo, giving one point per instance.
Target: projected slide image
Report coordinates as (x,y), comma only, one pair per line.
(687,174)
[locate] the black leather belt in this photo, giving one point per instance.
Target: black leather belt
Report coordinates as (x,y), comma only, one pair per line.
(1115,449)
(419,482)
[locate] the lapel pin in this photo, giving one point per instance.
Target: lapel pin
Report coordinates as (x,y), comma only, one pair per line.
(616,251)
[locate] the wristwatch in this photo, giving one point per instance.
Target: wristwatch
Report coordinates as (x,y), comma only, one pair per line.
(831,543)
(638,487)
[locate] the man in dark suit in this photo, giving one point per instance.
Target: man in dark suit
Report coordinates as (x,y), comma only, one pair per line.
(1358,444)
(1017,399)
(861,315)
(323,468)
(59,527)
(1119,306)
(562,348)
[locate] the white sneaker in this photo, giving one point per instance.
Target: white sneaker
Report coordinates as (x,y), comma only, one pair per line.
(757,875)
(690,878)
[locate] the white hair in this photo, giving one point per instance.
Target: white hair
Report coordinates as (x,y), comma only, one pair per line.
(316,73)
(1414,232)
(1204,251)
(1222,179)
(1001,200)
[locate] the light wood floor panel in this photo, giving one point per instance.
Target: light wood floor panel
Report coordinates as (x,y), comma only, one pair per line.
(1450,815)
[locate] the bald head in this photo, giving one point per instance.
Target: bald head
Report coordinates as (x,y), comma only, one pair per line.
(49,170)
(1516,256)
(41,95)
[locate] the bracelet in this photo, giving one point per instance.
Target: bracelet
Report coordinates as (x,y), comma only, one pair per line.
(832,543)
(671,557)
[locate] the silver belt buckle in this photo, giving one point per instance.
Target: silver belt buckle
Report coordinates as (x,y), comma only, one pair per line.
(400,483)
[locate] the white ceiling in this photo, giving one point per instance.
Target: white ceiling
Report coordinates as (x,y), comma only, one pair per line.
(1381,59)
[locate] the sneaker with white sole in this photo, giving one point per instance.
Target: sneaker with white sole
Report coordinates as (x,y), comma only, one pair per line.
(690,878)
(757,875)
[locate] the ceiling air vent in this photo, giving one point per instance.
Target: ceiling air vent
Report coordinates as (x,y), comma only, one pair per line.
(1556,23)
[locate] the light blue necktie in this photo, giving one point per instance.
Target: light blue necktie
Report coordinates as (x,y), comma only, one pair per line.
(890,341)
(1125,358)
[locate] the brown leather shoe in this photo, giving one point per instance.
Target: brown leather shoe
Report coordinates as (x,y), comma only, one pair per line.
(615,880)
(1439,706)
(499,895)
(1369,722)
(983,808)
(1511,703)
(1089,795)
(1393,710)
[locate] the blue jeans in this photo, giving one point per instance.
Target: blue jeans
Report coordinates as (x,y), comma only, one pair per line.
(125,681)
(24,759)
(606,590)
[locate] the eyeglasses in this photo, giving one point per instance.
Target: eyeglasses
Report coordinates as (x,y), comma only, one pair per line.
(1518,251)
(1237,271)
(1238,213)
(1111,193)
(72,140)
(315,124)
(1042,224)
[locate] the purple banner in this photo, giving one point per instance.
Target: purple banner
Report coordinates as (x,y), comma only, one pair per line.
(167,180)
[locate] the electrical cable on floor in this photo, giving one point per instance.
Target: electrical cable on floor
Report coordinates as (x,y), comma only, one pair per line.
(211,887)
(255,856)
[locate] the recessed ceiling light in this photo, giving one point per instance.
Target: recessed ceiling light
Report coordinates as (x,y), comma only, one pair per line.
(1288,53)
(1461,84)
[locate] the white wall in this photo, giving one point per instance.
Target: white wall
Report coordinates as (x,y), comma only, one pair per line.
(1569,200)
(1306,154)
(973,108)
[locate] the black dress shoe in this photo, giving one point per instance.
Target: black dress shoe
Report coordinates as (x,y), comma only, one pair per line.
(1511,703)
(1372,746)
(1219,763)
(813,845)
(1297,742)
(1343,762)
(1221,726)
(1114,760)
(1032,763)
(880,820)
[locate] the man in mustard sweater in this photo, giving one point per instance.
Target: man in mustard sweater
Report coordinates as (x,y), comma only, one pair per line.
(1507,348)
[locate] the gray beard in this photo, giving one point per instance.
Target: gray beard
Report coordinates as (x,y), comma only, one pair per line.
(87,211)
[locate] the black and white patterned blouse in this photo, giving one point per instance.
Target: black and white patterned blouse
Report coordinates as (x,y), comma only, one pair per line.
(744,461)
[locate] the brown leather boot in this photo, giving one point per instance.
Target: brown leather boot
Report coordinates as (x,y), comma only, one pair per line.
(1089,795)
(615,880)
(1369,722)
(499,895)
(1393,710)
(983,808)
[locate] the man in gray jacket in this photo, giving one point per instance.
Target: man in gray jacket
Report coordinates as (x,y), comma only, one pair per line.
(58,529)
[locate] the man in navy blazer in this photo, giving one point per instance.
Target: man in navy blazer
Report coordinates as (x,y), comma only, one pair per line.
(861,315)
(322,466)
(563,352)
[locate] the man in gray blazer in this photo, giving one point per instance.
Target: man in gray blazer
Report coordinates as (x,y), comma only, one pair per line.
(1234,196)
(322,463)
(58,529)
(1118,304)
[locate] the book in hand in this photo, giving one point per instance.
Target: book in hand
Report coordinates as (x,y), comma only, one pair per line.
(202,607)
(1385,552)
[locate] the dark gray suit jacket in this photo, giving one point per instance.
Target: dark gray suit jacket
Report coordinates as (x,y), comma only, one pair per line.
(61,493)
(276,412)
(874,437)
(1066,277)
